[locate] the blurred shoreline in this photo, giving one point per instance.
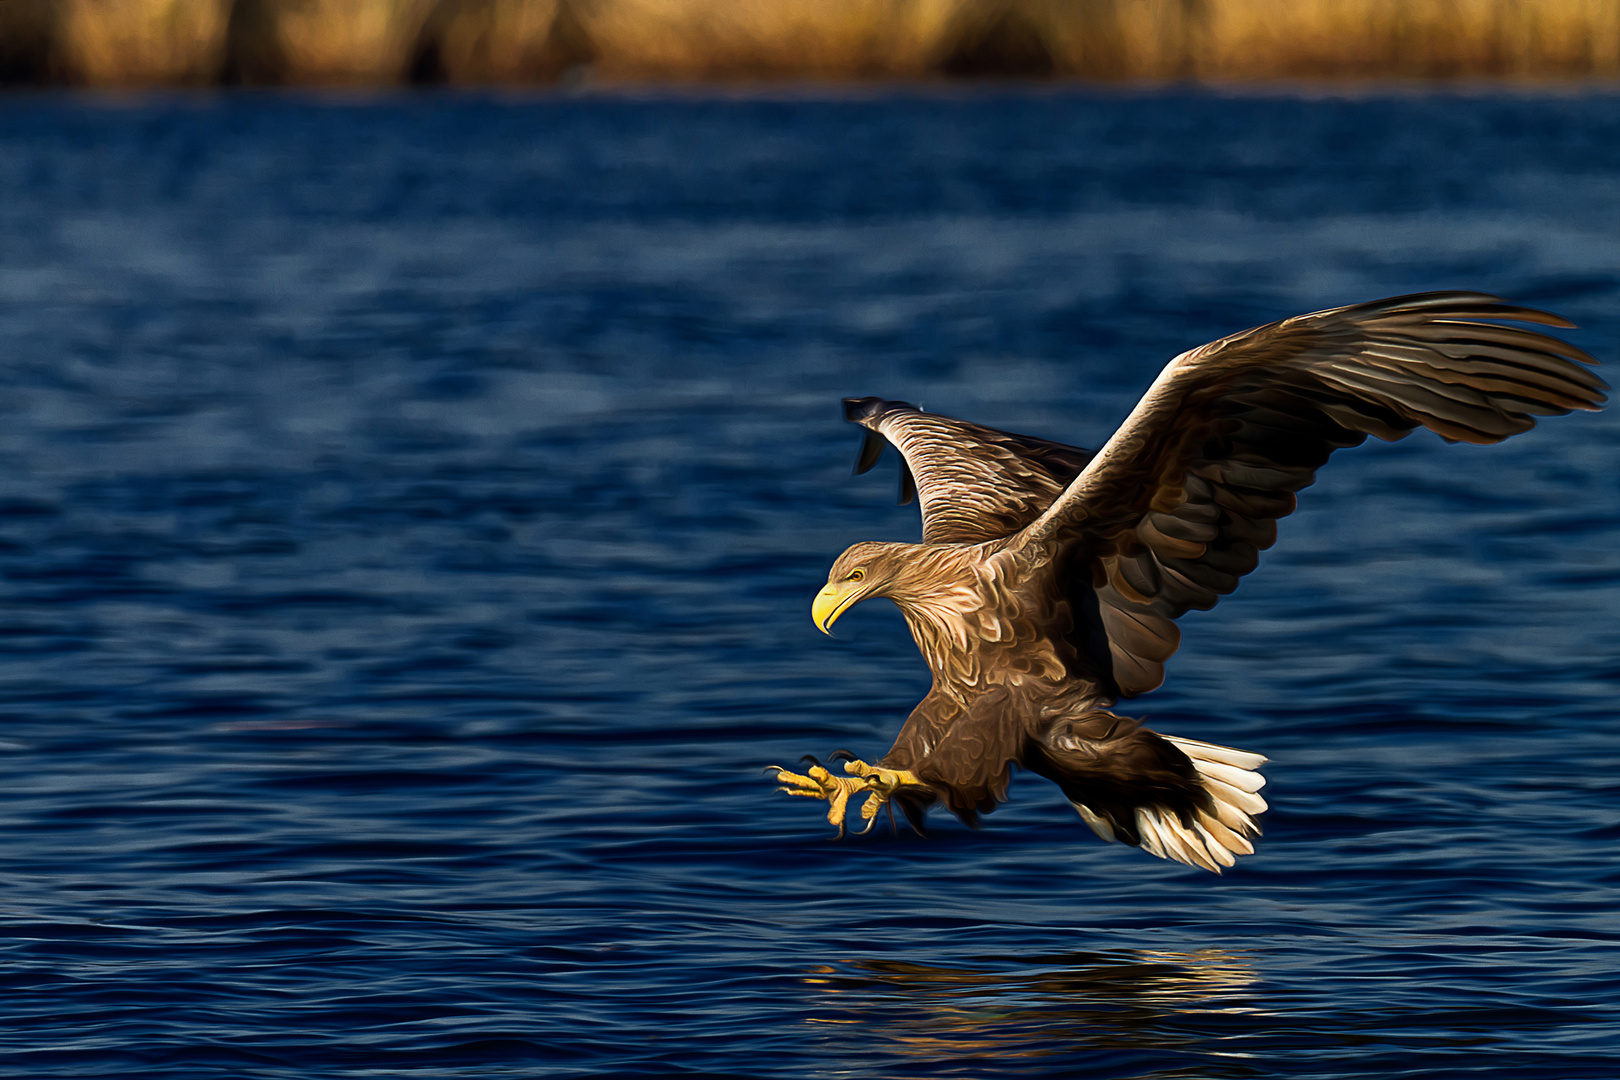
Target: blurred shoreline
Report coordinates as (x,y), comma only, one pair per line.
(145,43)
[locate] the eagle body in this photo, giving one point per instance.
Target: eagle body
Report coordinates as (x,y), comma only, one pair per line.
(1049,578)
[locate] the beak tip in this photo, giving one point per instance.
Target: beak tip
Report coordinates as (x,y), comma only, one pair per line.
(829,604)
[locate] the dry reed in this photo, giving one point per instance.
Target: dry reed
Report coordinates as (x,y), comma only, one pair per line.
(339,42)
(27,37)
(714,38)
(141,42)
(1110,39)
(506,41)
(1435,38)
(499,41)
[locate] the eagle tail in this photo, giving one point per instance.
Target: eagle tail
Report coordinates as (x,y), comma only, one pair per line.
(1214,837)
(1210,836)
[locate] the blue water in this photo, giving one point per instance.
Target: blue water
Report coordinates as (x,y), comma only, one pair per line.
(410,508)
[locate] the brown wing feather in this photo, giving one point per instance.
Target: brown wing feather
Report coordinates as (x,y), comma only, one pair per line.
(1176,508)
(975,483)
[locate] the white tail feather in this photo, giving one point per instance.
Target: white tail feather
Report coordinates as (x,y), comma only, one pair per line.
(1203,751)
(1224,836)
(1213,840)
(1147,832)
(1246,801)
(1099,825)
(1179,843)
(1241,779)
(1217,850)
(1233,818)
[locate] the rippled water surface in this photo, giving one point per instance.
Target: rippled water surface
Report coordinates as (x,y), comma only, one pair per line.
(409,512)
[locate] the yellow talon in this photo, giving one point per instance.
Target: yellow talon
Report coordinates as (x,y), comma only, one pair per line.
(879,783)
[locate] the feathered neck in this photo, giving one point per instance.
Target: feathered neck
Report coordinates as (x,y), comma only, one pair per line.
(937,589)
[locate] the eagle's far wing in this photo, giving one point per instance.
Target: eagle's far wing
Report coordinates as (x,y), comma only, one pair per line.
(1177,506)
(975,483)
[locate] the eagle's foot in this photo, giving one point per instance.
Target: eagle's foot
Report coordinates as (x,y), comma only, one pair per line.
(878,783)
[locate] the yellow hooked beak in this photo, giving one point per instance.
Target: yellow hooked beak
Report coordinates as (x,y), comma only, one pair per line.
(832,602)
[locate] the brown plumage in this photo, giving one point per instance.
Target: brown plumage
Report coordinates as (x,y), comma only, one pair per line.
(1049,578)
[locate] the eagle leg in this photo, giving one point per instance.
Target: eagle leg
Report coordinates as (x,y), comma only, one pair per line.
(878,783)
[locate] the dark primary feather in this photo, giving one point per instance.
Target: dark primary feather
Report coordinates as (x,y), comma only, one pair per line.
(1176,508)
(976,483)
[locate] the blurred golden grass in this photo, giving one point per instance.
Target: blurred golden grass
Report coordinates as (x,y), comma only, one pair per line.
(1431,38)
(339,42)
(754,38)
(141,42)
(379,42)
(497,41)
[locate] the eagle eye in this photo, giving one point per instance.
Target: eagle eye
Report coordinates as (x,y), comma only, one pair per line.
(856,574)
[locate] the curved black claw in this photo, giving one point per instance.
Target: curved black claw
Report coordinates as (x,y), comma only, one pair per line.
(842,755)
(811,758)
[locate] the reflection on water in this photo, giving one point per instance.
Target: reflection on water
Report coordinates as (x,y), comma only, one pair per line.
(1006,1007)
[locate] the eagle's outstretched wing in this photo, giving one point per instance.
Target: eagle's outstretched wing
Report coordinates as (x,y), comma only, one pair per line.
(975,483)
(1177,505)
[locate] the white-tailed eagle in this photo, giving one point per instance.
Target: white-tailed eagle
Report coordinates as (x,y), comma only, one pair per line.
(1049,578)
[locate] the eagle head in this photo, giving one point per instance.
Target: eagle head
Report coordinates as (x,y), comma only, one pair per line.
(865,570)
